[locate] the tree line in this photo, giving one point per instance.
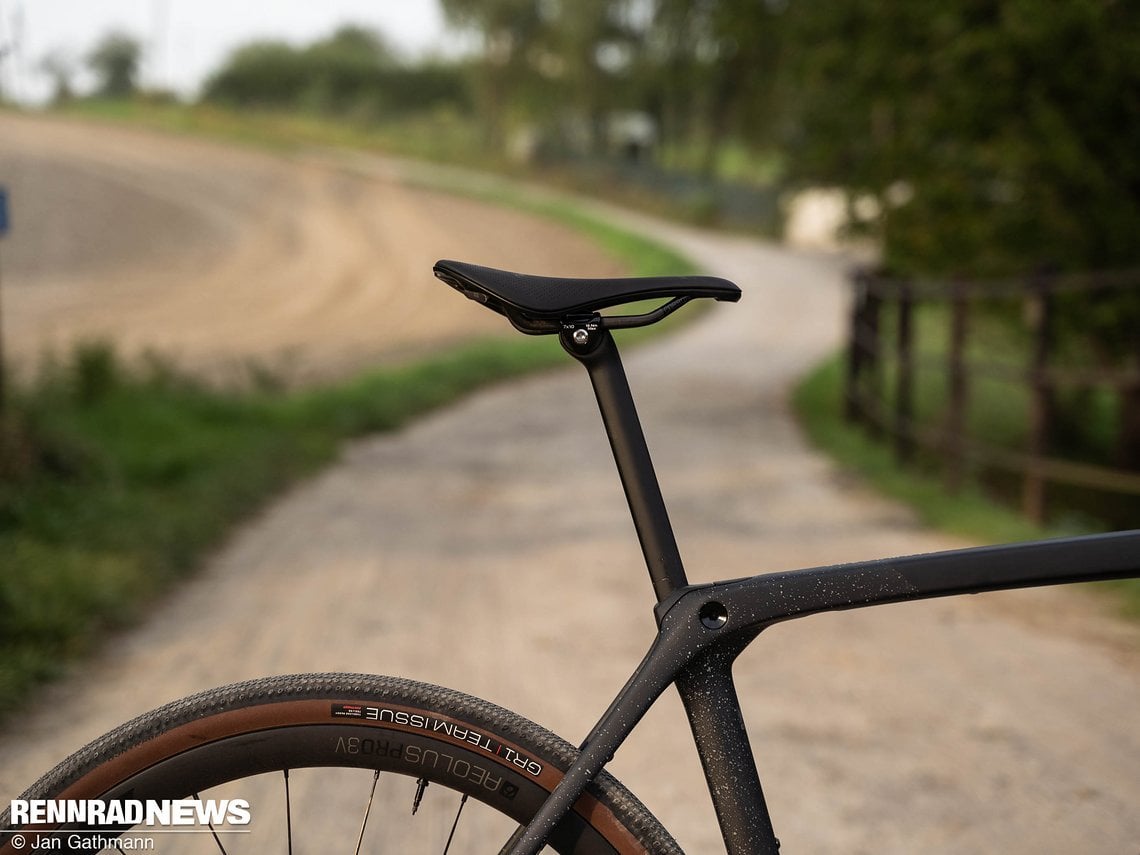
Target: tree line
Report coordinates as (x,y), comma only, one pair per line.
(353,73)
(979,137)
(973,137)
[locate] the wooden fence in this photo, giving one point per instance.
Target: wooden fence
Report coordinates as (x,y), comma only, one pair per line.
(883,362)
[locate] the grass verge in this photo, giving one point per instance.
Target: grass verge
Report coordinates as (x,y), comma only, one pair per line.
(971,513)
(115,487)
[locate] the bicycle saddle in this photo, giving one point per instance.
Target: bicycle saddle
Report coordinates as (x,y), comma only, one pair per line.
(552,298)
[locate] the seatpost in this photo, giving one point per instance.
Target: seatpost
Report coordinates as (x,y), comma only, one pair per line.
(592,345)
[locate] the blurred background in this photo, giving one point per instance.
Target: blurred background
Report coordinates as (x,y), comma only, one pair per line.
(977,157)
(981,143)
(969,138)
(217,224)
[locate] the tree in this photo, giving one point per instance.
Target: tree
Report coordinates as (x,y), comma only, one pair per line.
(593,45)
(352,73)
(260,73)
(355,44)
(326,76)
(510,31)
(995,138)
(60,67)
(715,63)
(115,61)
(344,70)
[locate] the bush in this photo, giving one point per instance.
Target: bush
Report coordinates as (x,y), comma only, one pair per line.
(352,74)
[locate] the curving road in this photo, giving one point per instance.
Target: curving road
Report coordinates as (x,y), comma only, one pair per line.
(488,548)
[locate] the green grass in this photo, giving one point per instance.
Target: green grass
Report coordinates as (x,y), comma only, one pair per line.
(441,136)
(113,490)
(971,513)
(999,403)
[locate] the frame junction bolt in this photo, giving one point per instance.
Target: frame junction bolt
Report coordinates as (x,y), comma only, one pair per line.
(581,336)
(713,615)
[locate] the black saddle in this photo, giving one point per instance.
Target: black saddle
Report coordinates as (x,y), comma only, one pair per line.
(541,303)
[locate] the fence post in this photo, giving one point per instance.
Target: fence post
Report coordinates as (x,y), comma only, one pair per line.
(4,225)
(954,440)
(904,380)
(1128,440)
(1128,394)
(863,352)
(872,385)
(1041,400)
(852,405)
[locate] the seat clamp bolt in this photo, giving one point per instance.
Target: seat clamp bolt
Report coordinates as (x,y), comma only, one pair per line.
(581,336)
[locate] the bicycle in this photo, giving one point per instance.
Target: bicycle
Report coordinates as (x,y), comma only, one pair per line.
(539,789)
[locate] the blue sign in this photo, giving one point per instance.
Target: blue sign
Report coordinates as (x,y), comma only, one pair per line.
(3,211)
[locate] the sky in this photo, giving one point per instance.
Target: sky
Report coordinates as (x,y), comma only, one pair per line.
(184,40)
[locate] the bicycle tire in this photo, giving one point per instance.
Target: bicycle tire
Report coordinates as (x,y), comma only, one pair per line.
(295,724)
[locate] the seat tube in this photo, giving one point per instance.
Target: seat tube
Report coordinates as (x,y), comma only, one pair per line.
(711,703)
(597,351)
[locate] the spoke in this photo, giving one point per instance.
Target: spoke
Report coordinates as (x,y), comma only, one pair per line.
(367,811)
(288,812)
(421,785)
(213,832)
(455,825)
(510,844)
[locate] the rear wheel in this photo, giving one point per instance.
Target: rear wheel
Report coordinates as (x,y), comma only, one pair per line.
(338,763)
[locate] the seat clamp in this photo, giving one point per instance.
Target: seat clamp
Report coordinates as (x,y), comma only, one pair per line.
(580,335)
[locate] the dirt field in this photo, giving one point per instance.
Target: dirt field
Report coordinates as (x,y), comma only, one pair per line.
(218,257)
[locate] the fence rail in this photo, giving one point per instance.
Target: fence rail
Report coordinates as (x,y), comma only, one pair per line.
(878,340)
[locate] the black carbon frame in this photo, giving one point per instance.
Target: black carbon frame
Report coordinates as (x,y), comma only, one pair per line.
(703,628)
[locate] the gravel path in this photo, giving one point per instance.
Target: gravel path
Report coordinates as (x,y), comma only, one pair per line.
(488,548)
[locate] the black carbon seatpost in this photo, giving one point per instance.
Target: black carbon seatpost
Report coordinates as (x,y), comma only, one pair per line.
(595,348)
